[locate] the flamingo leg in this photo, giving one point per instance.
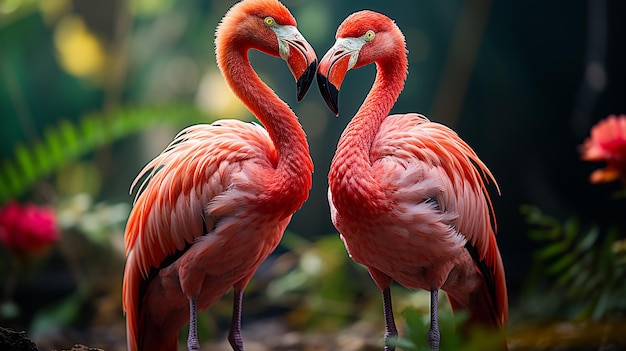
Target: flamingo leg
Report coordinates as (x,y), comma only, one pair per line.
(433,333)
(192,340)
(391,332)
(234,335)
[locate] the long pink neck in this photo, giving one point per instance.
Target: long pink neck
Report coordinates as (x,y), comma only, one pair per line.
(294,166)
(350,177)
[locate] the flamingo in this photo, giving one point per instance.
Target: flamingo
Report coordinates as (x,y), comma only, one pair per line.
(217,201)
(407,195)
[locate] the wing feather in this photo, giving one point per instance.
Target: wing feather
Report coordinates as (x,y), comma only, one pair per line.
(412,136)
(193,169)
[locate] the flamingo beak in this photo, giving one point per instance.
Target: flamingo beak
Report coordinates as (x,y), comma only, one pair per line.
(304,82)
(333,68)
(300,57)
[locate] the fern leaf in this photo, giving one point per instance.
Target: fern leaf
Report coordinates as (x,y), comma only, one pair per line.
(68,141)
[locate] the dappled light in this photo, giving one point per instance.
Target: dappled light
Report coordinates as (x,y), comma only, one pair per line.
(79,52)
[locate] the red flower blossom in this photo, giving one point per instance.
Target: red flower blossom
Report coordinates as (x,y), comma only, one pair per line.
(607,143)
(27,229)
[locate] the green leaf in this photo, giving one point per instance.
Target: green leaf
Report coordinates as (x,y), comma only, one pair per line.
(587,241)
(589,273)
(551,250)
(537,234)
(25,161)
(44,163)
(11,180)
(67,142)
(54,145)
(562,263)
(535,217)
(416,329)
(94,131)
(418,325)
(568,276)
(405,344)
(69,138)
(571,228)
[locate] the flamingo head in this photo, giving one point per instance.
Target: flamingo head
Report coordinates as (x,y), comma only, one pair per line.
(269,27)
(362,38)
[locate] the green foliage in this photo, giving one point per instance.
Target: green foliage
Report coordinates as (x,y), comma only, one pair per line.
(417,326)
(585,264)
(320,283)
(67,142)
(96,222)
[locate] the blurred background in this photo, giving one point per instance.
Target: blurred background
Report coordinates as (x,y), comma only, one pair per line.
(90,91)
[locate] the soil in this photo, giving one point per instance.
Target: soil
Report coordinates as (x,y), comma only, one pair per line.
(15,341)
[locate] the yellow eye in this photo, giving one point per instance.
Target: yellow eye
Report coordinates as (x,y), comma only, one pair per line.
(369,35)
(269,21)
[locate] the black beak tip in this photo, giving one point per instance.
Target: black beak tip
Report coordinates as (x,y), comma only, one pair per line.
(329,92)
(305,80)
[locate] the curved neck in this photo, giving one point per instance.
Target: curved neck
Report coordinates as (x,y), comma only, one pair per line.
(294,166)
(388,85)
(279,120)
(352,165)
(362,129)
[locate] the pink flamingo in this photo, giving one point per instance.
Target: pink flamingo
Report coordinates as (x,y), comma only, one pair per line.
(218,199)
(406,194)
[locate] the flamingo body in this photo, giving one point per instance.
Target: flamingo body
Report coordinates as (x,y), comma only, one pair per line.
(408,195)
(231,187)
(432,203)
(216,202)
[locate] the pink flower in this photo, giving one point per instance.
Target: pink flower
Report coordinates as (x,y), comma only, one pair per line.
(607,143)
(27,229)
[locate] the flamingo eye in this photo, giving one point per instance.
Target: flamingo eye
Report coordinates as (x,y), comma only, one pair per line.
(269,21)
(369,35)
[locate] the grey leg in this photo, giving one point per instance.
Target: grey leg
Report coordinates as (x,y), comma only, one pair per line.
(192,340)
(391,332)
(234,334)
(433,333)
